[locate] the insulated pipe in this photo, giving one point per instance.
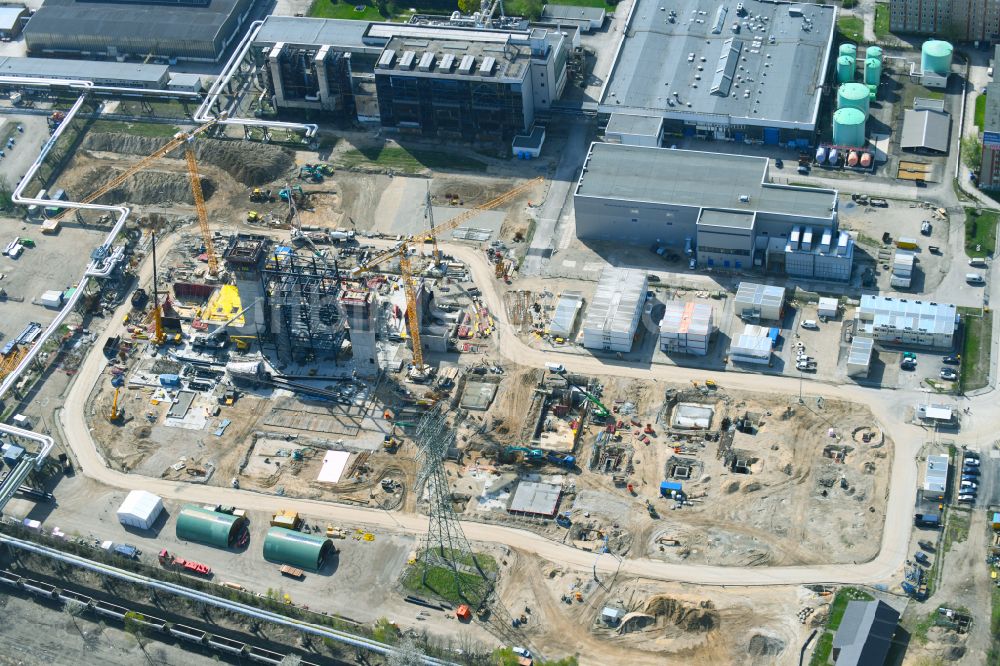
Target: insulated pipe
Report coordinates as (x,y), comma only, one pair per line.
(212,600)
(202,114)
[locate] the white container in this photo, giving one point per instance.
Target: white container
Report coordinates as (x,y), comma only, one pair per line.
(52,299)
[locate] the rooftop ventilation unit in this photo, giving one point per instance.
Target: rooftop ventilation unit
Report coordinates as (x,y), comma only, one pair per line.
(406,60)
(386,59)
(720,19)
(426,62)
(447,62)
(467,64)
(487,66)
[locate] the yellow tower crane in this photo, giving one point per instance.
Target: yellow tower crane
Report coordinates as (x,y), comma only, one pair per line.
(199,204)
(402,250)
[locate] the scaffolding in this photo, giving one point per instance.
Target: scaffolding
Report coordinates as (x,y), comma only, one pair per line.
(302,318)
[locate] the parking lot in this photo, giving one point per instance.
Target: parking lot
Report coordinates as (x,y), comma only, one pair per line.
(55,263)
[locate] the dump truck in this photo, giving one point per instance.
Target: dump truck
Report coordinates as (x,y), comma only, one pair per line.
(560,459)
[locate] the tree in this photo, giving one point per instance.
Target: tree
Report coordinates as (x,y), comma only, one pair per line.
(468,6)
(74,611)
(972,152)
(405,654)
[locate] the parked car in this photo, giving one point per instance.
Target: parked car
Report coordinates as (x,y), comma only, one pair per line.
(926,545)
(908,364)
(953,359)
(971,471)
(910,355)
(971,461)
(948,374)
(934,249)
(971,455)
(925,228)
(966,499)
(969,484)
(810,324)
(922,558)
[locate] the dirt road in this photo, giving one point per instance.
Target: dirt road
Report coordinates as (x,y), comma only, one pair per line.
(885,404)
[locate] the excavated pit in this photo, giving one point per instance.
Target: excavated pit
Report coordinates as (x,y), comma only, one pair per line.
(152,187)
(248,162)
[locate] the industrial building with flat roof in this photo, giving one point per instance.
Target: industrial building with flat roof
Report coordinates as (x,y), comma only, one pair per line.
(613,316)
(748,72)
(431,79)
(12,21)
(128,75)
(902,321)
(193,30)
(989,171)
(936,473)
(859,358)
(722,209)
(533,498)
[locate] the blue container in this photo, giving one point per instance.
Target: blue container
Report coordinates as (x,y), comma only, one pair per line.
(172,381)
(667,486)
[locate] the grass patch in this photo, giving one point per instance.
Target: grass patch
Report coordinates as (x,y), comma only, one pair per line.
(345,10)
(824,646)
(882,22)
(980,232)
(441,582)
(957,530)
(851,28)
(138,129)
(980,116)
(976,342)
(398,158)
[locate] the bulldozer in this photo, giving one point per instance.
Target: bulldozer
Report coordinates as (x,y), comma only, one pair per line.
(258,195)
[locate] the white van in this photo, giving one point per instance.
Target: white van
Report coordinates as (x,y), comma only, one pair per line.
(810,324)
(978,262)
(974,278)
(555,367)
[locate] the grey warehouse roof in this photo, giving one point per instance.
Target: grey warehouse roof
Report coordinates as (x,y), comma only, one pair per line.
(82,69)
(992,120)
(312,32)
(625,123)
(778,56)
(696,179)
(570,12)
(926,129)
(865,633)
(160,24)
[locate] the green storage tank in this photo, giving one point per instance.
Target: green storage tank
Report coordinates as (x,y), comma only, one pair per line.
(845,69)
(935,56)
(305,551)
(849,127)
(873,71)
(848,50)
(873,52)
(853,96)
(195,523)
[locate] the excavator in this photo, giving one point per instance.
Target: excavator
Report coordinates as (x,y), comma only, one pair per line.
(117,413)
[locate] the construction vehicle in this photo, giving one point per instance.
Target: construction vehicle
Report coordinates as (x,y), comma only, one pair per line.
(243,342)
(199,204)
(390,444)
(258,195)
(116,413)
(285,192)
(292,572)
(561,459)
(139,298)
(402,251)
(651,510)
(179,140)
(169,561)
(335,532)
(253,217)
(600,411)
(563,519)
(531,455)
(311,173)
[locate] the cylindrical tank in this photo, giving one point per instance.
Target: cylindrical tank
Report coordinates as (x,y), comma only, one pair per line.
(849,127)
(873,52)
(854,96)
(873,71)
(849,50)
(935,56)
(845,69)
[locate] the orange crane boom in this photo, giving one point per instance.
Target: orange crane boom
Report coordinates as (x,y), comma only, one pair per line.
(179,139)
(199,204)
(403,252)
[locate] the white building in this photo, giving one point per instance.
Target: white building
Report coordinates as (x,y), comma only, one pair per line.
(754,345)
(686,328)
(828,307)
(902,269)
(567,310)
(760,301)
(936,476)
(859,358)
(140,509)
(907,322)
(614,312)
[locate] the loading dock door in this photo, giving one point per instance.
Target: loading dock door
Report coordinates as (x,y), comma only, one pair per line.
(771,136)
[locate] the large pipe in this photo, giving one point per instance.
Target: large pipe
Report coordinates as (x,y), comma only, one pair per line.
(232,65)
(212,600)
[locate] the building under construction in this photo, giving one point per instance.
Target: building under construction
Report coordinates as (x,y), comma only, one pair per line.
(302,316)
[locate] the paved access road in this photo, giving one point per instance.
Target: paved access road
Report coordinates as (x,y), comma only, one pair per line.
(888,406)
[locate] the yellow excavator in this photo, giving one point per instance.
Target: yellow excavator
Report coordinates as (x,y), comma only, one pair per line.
(117,412)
